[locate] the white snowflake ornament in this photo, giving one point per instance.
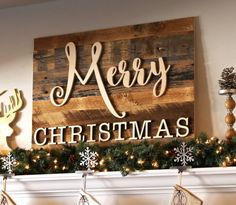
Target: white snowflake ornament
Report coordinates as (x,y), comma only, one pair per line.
(89,158)
(9,162)
(183,154)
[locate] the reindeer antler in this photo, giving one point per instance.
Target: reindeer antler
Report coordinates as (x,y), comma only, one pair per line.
(9,111)
(2,92)
(8,114)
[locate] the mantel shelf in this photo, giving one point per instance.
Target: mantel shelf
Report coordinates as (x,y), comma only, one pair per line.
(199,180)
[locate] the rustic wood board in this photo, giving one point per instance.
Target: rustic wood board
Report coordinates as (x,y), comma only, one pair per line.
(173,40)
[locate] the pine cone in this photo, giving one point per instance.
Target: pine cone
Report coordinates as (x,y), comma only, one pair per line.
(228,79)
(226,73)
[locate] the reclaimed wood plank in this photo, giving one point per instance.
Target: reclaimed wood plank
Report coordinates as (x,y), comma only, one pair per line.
(173,40)
(163,28)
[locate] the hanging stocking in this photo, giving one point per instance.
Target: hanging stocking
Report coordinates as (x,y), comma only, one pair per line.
(83,200)
(87,199)
(183,196)
(6,199)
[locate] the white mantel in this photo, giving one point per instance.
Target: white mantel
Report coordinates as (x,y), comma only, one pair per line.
(107,186)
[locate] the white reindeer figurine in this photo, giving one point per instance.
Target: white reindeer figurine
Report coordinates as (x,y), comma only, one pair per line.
(7,115)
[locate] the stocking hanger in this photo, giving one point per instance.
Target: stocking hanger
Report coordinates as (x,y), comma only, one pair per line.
(85,198)
(4,180)
(181,169)
(5,198)
(84,177)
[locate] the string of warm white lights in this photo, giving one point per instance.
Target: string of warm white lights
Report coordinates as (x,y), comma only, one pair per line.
(207,152)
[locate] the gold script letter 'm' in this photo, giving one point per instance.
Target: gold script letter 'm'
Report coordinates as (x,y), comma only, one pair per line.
(58,91)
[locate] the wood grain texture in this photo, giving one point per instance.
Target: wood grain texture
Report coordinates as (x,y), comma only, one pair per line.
(164,28)
(173,40)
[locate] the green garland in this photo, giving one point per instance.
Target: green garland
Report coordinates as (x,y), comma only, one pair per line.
(207,152)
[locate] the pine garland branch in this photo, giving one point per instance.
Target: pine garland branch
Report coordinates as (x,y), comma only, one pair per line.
(126,158)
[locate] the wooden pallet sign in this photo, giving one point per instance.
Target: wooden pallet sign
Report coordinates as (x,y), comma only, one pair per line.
(121,84)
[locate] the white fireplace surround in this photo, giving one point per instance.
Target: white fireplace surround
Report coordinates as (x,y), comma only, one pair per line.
(198,180)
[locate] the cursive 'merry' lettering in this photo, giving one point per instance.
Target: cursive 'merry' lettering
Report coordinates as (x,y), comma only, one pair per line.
(125,76)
